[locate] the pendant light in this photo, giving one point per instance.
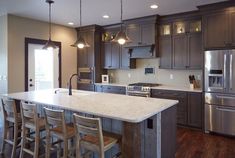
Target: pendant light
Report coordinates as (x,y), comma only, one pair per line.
(80,43)
(50,45)
(121,36)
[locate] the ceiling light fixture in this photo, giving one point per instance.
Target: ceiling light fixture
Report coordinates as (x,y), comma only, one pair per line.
(80,43)
(105,16)
(154,6)
(121,36)
(50,45)
(71,23)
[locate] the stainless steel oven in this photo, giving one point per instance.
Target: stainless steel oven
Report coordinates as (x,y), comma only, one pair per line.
(86,75)
(140,89)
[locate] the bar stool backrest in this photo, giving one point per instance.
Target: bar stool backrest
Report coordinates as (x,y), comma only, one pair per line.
(29,112)
(55,118)
(9,109)
(85,126)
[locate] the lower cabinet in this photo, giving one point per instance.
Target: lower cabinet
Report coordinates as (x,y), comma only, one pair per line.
(110,89)
(189,108)
(85,87)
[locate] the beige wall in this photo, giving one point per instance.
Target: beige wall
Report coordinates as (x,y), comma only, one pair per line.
(18,29)
(3,54)
(180,77)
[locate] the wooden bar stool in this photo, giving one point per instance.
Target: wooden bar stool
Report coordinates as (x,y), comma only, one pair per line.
(11,116)
(57,127)
(89,136)
(31,121)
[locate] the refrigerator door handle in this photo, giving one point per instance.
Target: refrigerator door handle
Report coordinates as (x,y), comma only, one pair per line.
(225,109)
(231,72)
(225,71)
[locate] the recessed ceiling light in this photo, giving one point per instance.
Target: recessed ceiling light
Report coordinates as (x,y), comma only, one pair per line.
(71,23)
(105,16)
(154,6)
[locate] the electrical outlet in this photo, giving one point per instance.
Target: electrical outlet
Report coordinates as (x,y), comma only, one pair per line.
(129,75)
(4,77)
(171,76)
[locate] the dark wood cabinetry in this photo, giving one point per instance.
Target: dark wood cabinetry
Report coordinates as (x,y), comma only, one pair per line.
(115,56)
(90,57)
(219,26)
(110,89)
(180,42)
(189,109)
(195,110)
(175,95)
(111,55)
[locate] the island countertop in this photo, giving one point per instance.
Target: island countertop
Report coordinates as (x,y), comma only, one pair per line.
(119,107)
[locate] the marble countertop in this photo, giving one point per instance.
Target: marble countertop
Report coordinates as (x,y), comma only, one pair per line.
(161,87)
(120,107)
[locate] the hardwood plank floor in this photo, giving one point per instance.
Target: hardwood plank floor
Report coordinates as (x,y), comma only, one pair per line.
(196,144)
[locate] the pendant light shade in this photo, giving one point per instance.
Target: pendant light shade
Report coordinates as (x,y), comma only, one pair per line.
(50,45)
(81,42)
(121,37)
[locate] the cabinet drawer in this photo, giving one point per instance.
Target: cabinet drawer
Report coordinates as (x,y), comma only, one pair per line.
(114,89)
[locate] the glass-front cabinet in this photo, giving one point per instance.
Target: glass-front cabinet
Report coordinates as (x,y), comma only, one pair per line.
(165,30)
(182,27)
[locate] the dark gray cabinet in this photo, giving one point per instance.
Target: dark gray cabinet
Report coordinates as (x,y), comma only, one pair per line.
(180,44)
(219,29)
(181,106)
(189,108)
(110,89)
(111,55)
(195,110)
(126,62)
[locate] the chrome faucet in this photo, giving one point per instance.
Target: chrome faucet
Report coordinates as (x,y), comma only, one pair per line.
(70,83)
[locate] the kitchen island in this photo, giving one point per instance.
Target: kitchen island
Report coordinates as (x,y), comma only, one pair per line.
(147,125)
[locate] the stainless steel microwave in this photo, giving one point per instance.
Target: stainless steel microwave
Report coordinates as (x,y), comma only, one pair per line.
(86,75)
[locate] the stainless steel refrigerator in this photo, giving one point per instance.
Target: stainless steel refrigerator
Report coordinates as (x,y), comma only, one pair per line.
(219,89)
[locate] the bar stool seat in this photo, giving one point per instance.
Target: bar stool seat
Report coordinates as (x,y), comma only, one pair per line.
(58,131)
(31,124)
(109,139)
(91,137)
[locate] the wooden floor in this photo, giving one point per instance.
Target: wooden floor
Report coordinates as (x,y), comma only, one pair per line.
(191,144)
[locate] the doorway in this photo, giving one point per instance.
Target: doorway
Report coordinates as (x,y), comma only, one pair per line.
(42,67)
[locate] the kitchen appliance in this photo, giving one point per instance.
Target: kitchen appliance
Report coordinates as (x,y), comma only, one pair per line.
(220,91)
(140,89)
(86,75)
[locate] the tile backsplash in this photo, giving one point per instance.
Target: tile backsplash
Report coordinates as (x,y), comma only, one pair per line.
(162,76)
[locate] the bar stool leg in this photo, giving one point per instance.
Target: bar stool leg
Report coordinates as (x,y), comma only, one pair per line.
(78,152)
(22,142)
(36,147)
(4,137)
(48,145)
(15,140)
(65,153)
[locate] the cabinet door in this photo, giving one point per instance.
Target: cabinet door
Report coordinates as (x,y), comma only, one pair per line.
(90,50)
(180,51)
(114,89)
(195,110)
(148,34)
(125,61)
(133,32)
(195,51)
(215,30)
(165,51)
(82,58)
(115,55)
(107,55)
(181,106)
(232,28)
(98,88)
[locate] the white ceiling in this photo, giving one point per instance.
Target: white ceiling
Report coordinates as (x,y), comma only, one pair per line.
(64,11)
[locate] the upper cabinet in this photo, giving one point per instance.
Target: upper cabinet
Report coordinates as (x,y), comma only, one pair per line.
(114,55)
(180,43)
(219,26)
